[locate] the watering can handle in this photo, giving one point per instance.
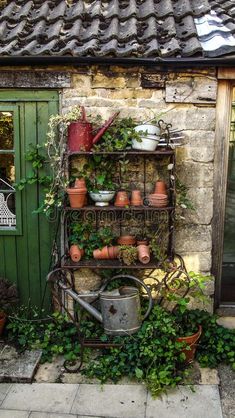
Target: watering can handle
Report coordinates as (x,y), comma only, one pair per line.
(127,276)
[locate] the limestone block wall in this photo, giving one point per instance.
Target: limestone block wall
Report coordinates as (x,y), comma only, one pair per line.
(187,100)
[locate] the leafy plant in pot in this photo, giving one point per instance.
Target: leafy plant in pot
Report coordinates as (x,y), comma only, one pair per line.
(8,297)
(181,289)
(128,254)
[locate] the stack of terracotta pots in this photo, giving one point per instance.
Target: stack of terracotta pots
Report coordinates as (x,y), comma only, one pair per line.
(77,194)
(159,198)
(106,253)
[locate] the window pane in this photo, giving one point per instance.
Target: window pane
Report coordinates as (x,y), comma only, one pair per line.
(6,131)
(7,170)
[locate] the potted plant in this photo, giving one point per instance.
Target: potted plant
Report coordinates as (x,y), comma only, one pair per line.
(128,254)
(8,297)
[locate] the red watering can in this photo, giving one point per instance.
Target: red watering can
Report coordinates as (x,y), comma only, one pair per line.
(80,133)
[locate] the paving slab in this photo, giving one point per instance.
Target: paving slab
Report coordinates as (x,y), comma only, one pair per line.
(4,388)
(43,397)
(10,413)
(227,322)
(50,372)
(227,390)
(19,367)
(184,403)
(50,415)
(113,401)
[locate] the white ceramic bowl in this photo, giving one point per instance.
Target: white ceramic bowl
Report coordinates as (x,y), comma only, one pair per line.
(102,197)
(148,128)
(148,143)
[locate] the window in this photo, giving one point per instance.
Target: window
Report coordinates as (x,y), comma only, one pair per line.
(10,217)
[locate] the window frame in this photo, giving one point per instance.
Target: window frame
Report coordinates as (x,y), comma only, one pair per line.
(15,109)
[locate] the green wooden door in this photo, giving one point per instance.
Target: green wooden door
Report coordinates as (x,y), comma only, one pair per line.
(25,238)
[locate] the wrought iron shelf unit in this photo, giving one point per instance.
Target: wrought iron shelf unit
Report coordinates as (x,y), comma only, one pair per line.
(160,152)
(119,208)
(110,264)
(149,213)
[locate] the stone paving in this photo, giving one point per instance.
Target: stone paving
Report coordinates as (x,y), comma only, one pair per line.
(58,400)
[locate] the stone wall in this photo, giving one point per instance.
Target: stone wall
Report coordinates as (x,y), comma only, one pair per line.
(185,99)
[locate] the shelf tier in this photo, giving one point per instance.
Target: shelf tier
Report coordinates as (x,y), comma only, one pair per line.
(110,264)
(117,208)
(160,152)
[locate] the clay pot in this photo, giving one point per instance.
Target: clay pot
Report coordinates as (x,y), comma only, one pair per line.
(102,254)
(113,252)
(76,253)
(122,199)
(76,197)
(191,340)
(143,254)
(80,184)
(3,319)
(160,187)
(126,240)
(136,199)
(142,242)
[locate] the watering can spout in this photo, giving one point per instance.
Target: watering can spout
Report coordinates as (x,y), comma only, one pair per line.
(104,128)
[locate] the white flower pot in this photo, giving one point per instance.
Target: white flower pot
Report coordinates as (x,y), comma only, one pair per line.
(148,128)
(148,143)
(103,197)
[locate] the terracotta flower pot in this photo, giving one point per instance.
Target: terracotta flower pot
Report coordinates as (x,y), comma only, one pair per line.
(102,254)
(3,319)
(143,254)
(126,240)
(191,340)
(142,242)
(136,199)
(122,199)
(80,184)
(160,187)
(76,197)
(76,253)
(113,252)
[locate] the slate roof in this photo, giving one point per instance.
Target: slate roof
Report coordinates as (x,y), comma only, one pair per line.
(117,28)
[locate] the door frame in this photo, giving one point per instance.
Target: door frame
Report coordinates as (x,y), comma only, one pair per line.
(226,82)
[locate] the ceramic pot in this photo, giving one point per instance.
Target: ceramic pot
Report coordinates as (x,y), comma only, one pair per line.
(143,254)
(103,197)
(113,252)
(3,319)
(191,341)
(102,254)
(122,199)
(148,128)
(147,143)
(126,240)
(136,199)
(142,242)
(76,197)
(75,253)
(80,184)
(160,187)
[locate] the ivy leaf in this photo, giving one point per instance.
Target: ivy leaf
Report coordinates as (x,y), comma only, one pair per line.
(139,373)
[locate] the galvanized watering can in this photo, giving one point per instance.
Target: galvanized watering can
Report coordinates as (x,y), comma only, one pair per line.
(120,309)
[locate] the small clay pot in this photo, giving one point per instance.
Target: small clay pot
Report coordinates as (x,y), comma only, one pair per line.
(122,199)
(142,242)
(76,253)
(80,183)
(160,187)
(76,197)
(143,254)
(102,254)
(126,240)
(113,252)
(136,199)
